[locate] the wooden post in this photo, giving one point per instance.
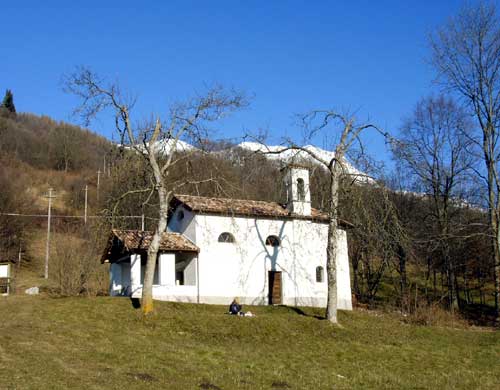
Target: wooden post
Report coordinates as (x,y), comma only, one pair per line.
(142,222)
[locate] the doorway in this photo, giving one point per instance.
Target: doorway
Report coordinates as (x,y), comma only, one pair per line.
(275,292)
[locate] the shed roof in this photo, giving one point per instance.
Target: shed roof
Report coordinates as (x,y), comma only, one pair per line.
(137,240)
(243,207)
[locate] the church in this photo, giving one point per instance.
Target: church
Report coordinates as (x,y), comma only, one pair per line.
(216,249)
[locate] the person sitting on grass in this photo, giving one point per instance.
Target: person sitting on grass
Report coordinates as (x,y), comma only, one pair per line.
(235,308)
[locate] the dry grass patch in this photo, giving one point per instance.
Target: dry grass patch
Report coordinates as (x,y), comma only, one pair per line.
(102,343)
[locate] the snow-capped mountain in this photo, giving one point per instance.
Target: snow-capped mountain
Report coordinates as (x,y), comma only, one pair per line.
(165,147)
(278,153)
(288,155)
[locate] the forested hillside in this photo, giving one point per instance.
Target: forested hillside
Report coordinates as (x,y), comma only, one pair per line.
(36,153)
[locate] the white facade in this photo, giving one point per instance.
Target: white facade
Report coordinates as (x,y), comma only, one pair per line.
(224,270)
(5,278)
(243,268)
(5,270)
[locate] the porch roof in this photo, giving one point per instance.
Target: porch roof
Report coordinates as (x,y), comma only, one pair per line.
(138,240)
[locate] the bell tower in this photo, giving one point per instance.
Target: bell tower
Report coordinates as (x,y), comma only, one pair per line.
(297,190)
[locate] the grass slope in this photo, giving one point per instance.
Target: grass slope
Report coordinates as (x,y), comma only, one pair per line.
(102,343)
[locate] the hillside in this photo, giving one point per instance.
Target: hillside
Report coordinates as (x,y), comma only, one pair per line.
(44,143)
(102,343)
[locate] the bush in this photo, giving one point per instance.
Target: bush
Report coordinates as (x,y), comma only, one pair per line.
(76,266)
(435,315)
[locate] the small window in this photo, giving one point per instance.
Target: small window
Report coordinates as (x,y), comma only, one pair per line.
(301,193)
(319,275)
(273,241)
(226,237)
(180,215)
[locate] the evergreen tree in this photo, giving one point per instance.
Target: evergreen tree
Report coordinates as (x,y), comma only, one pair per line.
(8,101)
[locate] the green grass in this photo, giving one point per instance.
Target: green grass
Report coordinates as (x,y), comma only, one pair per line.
(102,343)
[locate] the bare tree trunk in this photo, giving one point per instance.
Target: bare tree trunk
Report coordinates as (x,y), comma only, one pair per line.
(355,282)
(493,219)
(147,292)
(331,251)
(450,276)
(402,276)
(496,274)
(147,289)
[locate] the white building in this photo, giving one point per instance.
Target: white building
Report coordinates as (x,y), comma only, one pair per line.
(217,249)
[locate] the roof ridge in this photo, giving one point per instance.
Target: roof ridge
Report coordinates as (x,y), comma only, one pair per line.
(232,199)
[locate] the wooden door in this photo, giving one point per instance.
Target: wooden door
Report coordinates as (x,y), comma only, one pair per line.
(274,287)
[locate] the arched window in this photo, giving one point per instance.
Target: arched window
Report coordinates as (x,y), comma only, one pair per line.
(301,192)
(273,241)
(319,275)
(226,237)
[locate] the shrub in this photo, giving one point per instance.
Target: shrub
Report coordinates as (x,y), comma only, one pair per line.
(76,266)
(435,315)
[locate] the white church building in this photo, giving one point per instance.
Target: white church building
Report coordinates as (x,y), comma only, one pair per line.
(216,249)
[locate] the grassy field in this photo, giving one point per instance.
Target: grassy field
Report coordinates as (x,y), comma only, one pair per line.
(102,343)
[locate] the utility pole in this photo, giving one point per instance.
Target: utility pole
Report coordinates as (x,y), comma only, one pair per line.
(98,182)
(86,197)
(47,249)
(19,257)
(142,222)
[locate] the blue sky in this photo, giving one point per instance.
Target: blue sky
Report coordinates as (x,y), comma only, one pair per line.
(291,56)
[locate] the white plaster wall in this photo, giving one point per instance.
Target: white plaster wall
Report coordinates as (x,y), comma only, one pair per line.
(116,280)
(4,270)
(166,290)
(166,269)
(190,273)
(186,226)
(344,295)
(120,283)
(135,275)
(241,269)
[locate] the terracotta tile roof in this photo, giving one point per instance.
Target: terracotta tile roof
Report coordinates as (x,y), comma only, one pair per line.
(240,207)
(134,240)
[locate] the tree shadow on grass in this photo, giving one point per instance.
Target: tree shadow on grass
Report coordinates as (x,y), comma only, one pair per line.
(136,303)
(477,314)
(302,312)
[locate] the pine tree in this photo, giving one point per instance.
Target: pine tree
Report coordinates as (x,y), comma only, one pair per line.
(8,101)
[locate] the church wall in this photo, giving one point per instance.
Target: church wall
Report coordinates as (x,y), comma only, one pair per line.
(184,225)
(230,270)
(240,269)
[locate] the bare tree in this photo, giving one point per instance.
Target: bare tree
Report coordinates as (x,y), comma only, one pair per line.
(434,150)
(377,242)
(156,141)
(347,131)
(466,54)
